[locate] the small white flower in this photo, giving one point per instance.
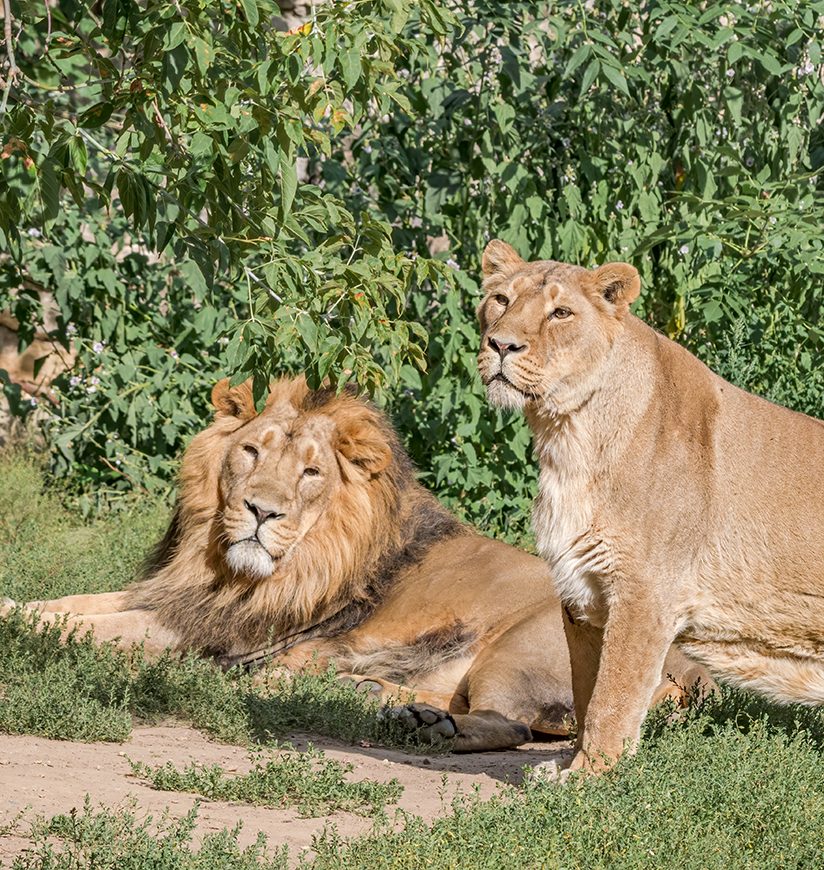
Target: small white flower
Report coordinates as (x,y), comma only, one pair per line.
(454,264)
(367,149)
(773,220)
(806,69)
(565,142)
(34,232)
(94,381)
(174,354)
(74,381)
(98,346)
(749,161)
(730,73)
(619,205)
(224,340)
(684,249)
(33,401)
(91,389)
(71,329)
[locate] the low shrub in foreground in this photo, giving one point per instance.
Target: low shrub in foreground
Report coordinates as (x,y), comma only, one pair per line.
(79,690)
(114,840)
(310,782)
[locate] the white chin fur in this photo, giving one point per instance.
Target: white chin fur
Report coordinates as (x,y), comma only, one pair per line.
(248,557)
(505,396)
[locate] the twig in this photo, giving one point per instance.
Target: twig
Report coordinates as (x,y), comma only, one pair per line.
(13,68)
(49,26)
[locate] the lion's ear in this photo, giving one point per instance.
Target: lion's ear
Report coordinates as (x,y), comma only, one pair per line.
(364,444)
(234,401)
(500,257)
(617,283)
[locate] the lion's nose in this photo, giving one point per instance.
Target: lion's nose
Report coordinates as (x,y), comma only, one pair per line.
(261,513)
(505,345)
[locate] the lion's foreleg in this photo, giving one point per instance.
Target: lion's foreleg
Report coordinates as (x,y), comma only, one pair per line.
(83,605)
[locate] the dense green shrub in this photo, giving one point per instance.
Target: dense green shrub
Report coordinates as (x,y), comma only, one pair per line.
(683,138)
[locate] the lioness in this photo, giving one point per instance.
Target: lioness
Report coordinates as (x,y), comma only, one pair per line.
(672,506)
(303,529)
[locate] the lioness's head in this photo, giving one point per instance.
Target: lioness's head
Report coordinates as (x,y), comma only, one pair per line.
(547,327)
(284,470)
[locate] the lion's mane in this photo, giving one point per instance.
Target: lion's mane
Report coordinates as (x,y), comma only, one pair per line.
(375,528)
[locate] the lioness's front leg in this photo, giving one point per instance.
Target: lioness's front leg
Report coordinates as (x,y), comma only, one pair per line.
(636,640)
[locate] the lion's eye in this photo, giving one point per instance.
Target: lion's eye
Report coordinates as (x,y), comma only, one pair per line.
(311,471)
(560,314)
(252,451)
(501,299)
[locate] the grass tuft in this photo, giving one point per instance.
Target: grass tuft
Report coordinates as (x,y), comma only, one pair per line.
(115,840)
(308,781)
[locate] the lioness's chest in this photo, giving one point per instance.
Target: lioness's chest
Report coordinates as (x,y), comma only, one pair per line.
(580,558)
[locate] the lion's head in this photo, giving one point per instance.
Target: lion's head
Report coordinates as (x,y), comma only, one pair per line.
(547,327)
(295,464)
(286,516)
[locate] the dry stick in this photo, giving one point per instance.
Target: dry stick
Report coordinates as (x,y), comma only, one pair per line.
(13,70)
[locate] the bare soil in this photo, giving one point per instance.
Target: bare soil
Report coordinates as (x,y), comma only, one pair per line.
(46,777)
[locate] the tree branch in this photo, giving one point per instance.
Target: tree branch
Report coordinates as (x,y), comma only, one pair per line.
(9,40)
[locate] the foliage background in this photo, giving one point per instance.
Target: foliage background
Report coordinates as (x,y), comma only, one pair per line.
(151,178)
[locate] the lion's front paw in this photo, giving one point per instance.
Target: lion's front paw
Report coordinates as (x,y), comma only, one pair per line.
(6,606)
(428,723)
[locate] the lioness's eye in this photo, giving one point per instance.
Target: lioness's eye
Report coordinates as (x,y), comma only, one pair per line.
(501,299)
(310,471)
(252,451)
(560,313)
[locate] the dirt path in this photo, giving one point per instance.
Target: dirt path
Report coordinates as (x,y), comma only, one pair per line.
(45,777)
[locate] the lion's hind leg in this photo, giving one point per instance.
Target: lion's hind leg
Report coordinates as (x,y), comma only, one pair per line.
(479,731)
(429,720)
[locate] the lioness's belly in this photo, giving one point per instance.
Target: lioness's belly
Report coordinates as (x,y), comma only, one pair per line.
(773,644)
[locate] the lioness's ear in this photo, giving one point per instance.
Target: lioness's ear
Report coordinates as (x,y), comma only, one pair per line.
(234,401)
(363,443)
(618,283)
(500,257)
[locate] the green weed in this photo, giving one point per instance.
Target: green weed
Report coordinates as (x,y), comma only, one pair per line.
(704,795)
(76,689)
(310,782)
(116,840)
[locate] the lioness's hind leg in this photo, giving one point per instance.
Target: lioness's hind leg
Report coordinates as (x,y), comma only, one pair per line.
(479,731)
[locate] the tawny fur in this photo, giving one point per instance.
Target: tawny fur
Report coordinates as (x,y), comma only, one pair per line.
(365,568)
(672,507)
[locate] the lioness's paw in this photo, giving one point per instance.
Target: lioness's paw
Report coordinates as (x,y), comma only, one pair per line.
(550,771)
(7,605)
(428,723)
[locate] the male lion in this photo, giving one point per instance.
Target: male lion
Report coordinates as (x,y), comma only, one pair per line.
(302,530)
(672,506)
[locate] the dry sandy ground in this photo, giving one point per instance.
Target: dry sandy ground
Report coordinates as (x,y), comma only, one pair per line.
(46,777)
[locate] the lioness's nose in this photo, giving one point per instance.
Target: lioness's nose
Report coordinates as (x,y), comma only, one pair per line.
(505,345)
(262,514)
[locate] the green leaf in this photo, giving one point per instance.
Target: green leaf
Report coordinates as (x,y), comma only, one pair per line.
(96,116)
(616,77)
(590,74)
(49,189)
(288,186)
(79,155)
(250,7)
